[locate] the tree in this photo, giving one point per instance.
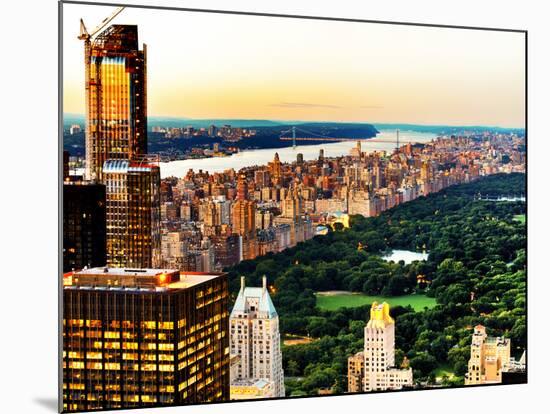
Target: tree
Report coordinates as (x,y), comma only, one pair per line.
(292,369)
(423,364)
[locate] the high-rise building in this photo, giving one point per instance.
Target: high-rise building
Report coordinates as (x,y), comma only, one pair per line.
(75,129)
(244,220)
(262,178)
(226,250)
(84,238)
(144,337)
(489,357)
(116,98)
(242,187)
(356,372)
(174,249)
(292,204)
(276,170)
(133,213)
(378,369)
(255,339)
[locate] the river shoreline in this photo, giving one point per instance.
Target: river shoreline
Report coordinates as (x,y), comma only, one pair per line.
(260,157)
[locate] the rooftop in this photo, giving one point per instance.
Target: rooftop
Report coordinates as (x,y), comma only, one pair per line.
(250,382)
(265,305)
(108,278)
(379,316)
(125,166)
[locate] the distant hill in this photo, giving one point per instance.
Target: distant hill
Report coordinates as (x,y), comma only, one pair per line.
(174,122)
(178,122)
(448,129)
(267,135)
(205,123)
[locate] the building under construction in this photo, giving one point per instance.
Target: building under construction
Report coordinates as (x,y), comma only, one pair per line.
(116,95)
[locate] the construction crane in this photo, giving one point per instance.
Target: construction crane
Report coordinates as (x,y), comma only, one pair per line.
(87,38)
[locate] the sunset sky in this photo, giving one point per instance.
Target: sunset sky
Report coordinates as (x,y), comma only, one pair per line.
(203,65)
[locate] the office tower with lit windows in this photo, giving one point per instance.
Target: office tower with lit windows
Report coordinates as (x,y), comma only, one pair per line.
(133,213)
(144,337)
(116,98)
(84,215)
(256,340)
(378,369)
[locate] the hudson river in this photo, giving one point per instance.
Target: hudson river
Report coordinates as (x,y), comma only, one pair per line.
(263,156)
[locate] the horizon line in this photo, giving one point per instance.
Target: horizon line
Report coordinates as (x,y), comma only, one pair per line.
(184,118)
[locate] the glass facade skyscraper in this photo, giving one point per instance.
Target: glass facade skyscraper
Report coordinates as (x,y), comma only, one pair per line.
(133,213)
(116,98)
(84,215)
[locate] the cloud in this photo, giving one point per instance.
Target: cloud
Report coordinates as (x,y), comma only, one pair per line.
(303,105)
(371,107)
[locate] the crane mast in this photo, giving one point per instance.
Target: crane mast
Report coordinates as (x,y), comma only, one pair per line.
(87,38)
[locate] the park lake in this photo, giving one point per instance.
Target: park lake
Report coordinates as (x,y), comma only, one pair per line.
(406,255)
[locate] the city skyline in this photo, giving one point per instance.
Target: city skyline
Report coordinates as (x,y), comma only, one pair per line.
(398,78)
(151,263)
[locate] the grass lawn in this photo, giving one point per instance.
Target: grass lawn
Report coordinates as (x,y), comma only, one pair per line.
(443,370)
(520,218)
(353,300)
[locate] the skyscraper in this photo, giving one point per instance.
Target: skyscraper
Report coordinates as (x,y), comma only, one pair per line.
(133,213)
(276,171)
(84,238)
(489,357)
(378,369)
(244,217)
(255,338)
(144,337)
(116,98)
(242,187)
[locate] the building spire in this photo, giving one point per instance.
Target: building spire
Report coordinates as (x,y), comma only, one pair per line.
(242,283)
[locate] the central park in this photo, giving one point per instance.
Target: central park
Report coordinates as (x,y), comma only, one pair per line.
(474,273)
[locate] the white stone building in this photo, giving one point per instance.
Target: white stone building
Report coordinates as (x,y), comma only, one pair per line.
(379,352)
(255,339)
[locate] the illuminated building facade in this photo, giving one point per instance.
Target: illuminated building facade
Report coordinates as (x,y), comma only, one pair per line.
(144,337)
(256,340)
(133,213)
(84,213)
(489,358)
(244,220)
(275,169)
(356,372)
(378,369)
(116,98)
